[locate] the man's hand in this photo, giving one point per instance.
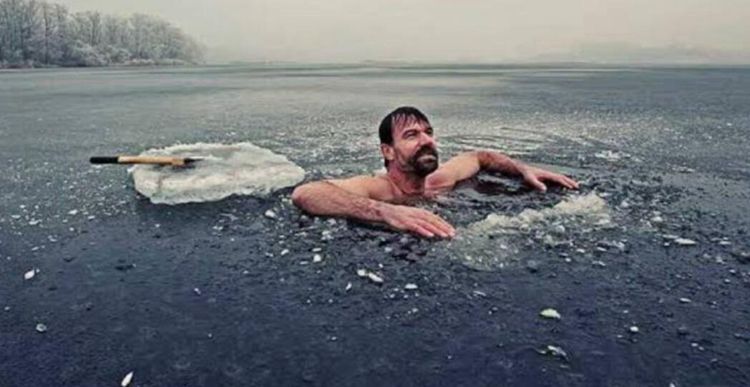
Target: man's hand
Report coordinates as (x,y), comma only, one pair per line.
(416,220)
(536,177)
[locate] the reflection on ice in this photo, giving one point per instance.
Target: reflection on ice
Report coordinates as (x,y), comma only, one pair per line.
(500,239)
(241,169)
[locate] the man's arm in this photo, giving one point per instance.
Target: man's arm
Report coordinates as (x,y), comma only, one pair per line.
(351,198)
(469,164)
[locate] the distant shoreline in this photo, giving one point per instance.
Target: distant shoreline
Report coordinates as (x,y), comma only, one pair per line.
(113,65)
(474,65)
(393,65)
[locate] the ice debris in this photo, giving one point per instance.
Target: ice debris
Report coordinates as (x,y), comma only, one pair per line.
(554,351)
(127,379)
(370,275)
(550,313)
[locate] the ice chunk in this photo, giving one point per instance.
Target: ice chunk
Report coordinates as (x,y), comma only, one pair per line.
(236,169)
(375,278)
(554,351)
(685,242)
(610,155)
(127,379)
(550,313)
(499,239)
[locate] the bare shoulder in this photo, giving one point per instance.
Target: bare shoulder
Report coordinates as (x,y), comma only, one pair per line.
(374,187)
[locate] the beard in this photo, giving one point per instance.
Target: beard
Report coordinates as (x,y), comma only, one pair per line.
(424,162)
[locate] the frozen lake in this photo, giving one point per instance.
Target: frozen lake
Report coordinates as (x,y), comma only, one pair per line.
(220,294)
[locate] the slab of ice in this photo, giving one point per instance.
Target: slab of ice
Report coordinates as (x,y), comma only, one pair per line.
(236,169)
(499,239)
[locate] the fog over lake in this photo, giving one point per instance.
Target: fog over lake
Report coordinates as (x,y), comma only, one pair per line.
(441,30)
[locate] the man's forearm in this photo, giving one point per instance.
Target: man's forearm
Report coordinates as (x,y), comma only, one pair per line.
(329,199)
(498,162)
(324,198)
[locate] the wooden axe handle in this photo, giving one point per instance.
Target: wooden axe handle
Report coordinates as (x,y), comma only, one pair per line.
(158,160)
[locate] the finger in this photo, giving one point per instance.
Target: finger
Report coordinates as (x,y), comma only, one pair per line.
(447,231)
(433,228)
(444,226)
(563,181)
(418,229)
(536,183)
(426,225)
(560,179)
(573,183)
(437,221)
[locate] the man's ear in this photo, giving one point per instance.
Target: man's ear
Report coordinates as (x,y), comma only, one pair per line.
(388,152)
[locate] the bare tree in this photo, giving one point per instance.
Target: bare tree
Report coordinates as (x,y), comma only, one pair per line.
(48,31)
(34,33)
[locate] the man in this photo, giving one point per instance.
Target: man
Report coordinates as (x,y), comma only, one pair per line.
(409,148)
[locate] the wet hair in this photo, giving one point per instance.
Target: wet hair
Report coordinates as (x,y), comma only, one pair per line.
(401,115)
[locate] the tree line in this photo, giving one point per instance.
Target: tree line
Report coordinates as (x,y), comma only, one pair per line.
(38,34)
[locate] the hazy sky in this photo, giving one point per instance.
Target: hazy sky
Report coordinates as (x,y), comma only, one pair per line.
(440,30)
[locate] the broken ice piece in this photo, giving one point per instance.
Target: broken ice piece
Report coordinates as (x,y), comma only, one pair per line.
(317,258)
(372,276)
(410,286)
(270,214)
(29,274)
(127,379)
(554,351)
(375,278)
(634,329)
(41,328)
(685,242)
(550,313)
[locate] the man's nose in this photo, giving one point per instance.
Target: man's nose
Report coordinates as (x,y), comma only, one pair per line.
(426,139)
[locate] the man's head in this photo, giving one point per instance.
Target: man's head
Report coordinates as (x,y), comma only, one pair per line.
(407,142)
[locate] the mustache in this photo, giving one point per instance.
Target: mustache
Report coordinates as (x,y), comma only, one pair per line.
(426,150)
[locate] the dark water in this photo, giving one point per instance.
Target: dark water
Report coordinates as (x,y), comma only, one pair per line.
(666,149)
